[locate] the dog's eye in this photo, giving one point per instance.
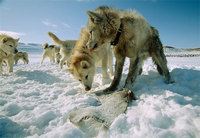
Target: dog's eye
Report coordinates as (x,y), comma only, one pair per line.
(86,77)
(10,45)
(79,80)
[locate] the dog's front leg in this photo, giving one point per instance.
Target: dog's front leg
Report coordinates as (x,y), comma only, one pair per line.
(134,70)
(43,57)
(10,63)
(62,62)
(53,58)
(104,67)
(16,61)
(1,68)
(118,73)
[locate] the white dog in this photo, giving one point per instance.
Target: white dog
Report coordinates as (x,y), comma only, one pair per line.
(66,48)
(51,51)
(21,55)
(8,47)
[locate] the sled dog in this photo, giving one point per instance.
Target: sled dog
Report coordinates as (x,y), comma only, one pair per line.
(131,36)
(66,48)
(51,51)
(21,55)
(8,47)
(83,61)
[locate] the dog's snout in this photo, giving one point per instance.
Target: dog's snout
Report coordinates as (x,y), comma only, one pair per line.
(87,88)
(16,51)
(95,46)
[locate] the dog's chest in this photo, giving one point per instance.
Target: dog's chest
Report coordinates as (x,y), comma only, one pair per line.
(3,54)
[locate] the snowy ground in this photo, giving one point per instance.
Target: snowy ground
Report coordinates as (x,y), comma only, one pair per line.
(35,101)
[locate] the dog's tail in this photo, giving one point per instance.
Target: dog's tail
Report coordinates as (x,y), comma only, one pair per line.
(45,45)
(55,38)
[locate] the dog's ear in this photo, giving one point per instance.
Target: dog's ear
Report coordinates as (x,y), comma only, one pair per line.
(70,70)
(4,40)
(95,17)
(45,45)
(85,64)
(17,39)
(83,30)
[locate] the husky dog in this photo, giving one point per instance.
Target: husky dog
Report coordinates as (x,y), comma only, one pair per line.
(21,55)
(8,47)
(66,48)
(131,36)
(83,61)
(51,51)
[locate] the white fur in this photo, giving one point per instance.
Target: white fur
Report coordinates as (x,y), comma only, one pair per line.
(52,52)
(8,47)
(21,55)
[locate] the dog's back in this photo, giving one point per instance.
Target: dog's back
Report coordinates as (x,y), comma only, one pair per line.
(66,48)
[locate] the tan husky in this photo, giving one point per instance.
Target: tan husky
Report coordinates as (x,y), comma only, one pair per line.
(51,51)
(8,47)
(83,61)
(131,36)
(66,48)
(21,55)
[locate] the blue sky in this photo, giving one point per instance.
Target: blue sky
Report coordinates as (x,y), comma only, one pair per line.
(178,21)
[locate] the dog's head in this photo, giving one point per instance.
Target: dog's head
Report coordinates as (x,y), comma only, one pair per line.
(45,45)
(83,71)
(9,44)
(102,25)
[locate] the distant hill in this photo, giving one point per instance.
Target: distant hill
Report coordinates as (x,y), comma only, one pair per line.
(181,52)
(169,50)
(30,47)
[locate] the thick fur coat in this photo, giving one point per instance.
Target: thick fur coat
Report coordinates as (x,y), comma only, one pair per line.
(138,40)
(66,48)
(84,61)
(52,52)
(8,47)
(21,55)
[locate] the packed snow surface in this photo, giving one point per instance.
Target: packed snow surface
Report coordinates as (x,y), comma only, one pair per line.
(36,99)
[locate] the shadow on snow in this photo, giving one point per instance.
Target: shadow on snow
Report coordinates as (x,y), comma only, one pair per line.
(39,76)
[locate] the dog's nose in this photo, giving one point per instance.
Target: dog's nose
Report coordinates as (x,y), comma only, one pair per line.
(87,88)
(95,46)
(16,51)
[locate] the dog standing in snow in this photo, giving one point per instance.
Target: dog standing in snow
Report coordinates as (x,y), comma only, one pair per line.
(66,48)
(21,55)
(52,52)
(131,36)
(8,47)
(84,62)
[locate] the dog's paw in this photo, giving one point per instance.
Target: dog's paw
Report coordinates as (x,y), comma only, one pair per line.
(170,81)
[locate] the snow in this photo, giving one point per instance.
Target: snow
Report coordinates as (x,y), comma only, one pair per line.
(35,100)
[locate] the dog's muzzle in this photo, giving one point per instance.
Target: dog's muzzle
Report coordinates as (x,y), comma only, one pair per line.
(92,49)
(87,88)
(16,51)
